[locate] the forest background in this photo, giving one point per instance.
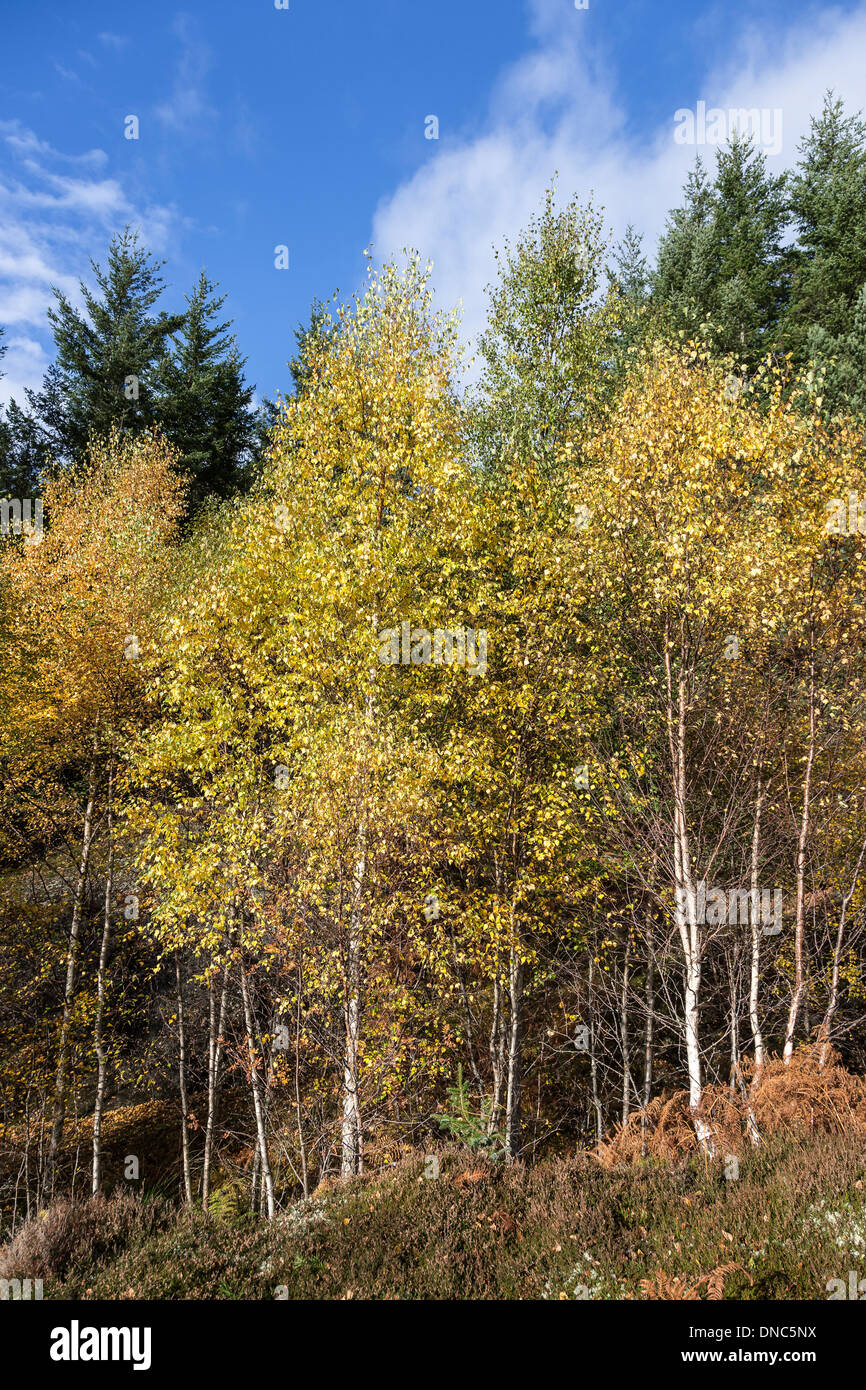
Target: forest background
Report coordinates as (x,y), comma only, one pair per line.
(400,762)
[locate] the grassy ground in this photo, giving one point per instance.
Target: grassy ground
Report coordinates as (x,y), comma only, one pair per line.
(793,1218)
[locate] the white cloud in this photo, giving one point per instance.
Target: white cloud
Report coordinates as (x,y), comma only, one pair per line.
(25,143)
(101,198)
(557,109)
(23,304)
(23,365)
(51,221)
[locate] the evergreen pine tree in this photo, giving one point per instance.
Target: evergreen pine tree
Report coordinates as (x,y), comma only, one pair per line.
(107,357)
(21,458)
(682,280)
(828,203)
(630,272)
(629,278)
(308,337)
(750,215)
(22,453)
(204,404)
(844,362)
(720,261)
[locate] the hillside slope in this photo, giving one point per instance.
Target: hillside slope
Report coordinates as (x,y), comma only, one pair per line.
(566,1228)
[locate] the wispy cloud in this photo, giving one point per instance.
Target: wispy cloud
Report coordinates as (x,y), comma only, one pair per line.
(188,105)
(24,365)
(24,143)
(557,109)
(55,210)
(68,75)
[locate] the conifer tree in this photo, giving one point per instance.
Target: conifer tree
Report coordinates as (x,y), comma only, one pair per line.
(630,274)
(720,263)
(630,281)
(843,360)
(309,338)
(828,203)
(32,436)
(681,279)
(204,403)
(749,219)
(107,356)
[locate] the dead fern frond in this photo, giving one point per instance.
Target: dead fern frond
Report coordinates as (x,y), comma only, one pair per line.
(794,1098)
(662,1286)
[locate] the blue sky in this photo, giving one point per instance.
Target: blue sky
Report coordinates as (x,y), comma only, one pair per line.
(305,127)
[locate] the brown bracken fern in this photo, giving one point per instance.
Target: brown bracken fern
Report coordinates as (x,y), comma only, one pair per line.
(661,1286)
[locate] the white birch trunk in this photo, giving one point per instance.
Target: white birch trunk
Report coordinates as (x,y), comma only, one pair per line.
(799,920)
(215,1033)
(261,1135)
(352,1155)
(181,1073)
(59,1114)
(755,973)
(686,912)
(513,1138)
(98,1039)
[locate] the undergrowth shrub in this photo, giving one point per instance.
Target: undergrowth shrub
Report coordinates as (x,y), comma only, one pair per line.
(794,1218)
(82,1234)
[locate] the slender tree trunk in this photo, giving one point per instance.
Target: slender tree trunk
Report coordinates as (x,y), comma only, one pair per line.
(59,1115)
(352,1130)
(497,1051)
(263,1199)
(302,1143)
(734,1005)
(254,1184)
(648,1035)
(833,998)
(799,921)
(98,1039)
(623,1021)
(352,1159)
(832,1001)
(258,1108)
(267,1089)
(648,1044)
(755,975)
(77,1160)
(215,1035)
(593,1061)
(181,1072)
(686,912)
(515,994)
